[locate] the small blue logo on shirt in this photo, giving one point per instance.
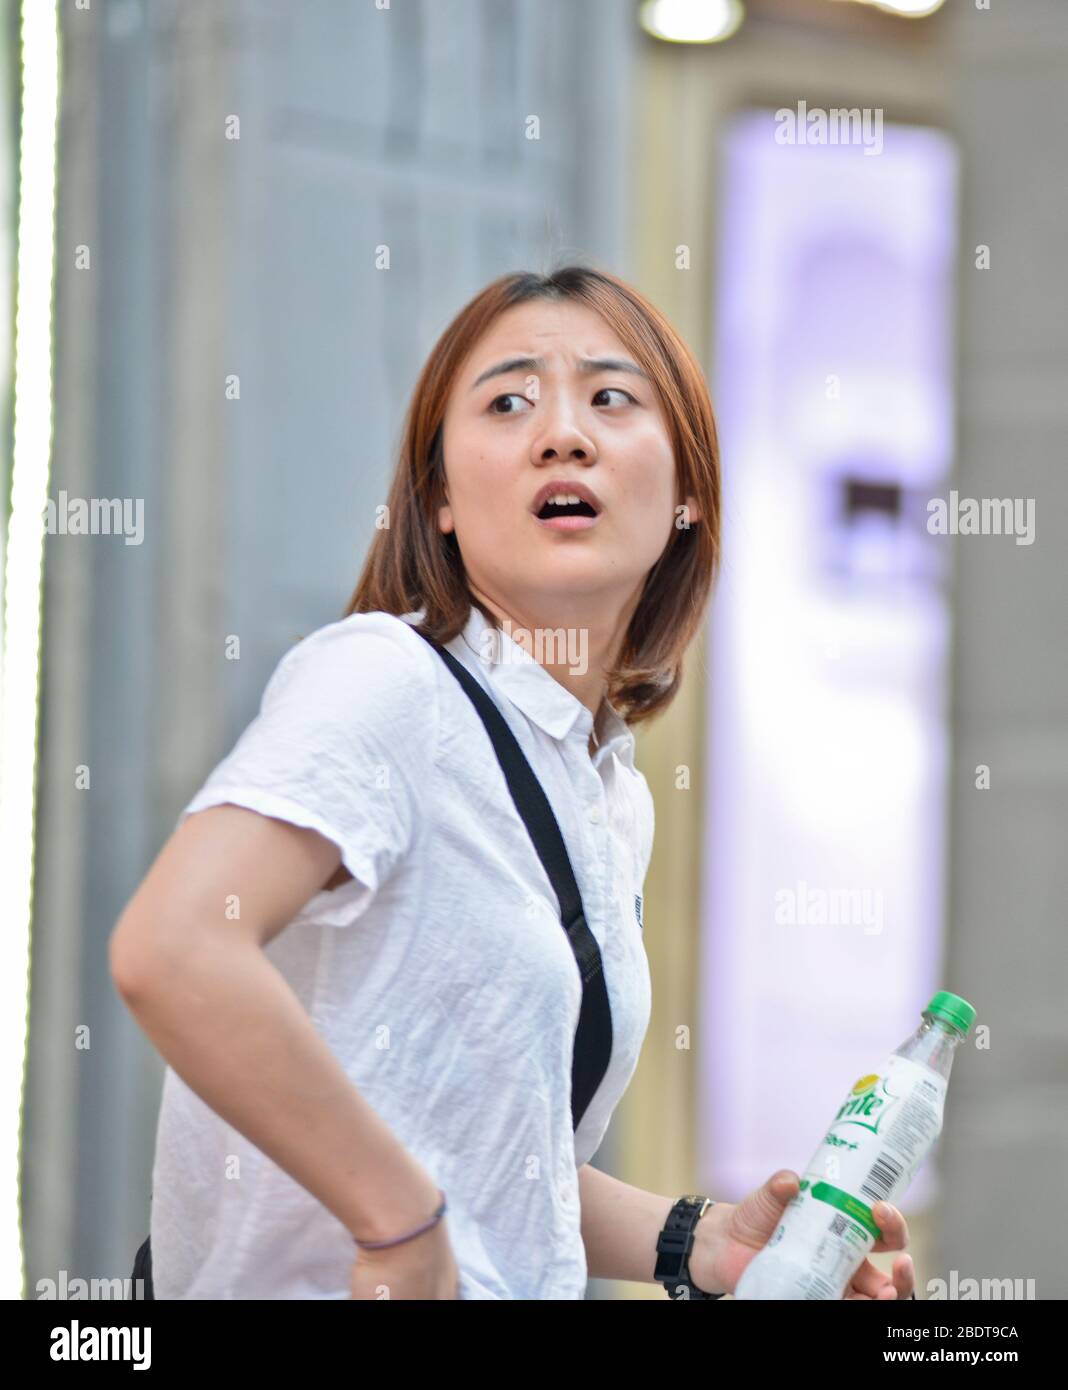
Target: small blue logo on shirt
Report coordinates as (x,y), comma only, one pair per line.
(638,910)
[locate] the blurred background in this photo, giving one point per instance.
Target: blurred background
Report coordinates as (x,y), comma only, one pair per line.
(264,216)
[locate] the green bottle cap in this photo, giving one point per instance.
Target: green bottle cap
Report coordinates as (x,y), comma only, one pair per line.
(953,1009)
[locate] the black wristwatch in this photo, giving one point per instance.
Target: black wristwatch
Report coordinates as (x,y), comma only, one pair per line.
(673,1249)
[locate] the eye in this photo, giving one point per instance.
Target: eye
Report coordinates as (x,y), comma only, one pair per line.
(509,396)
(619,392)
(515,396)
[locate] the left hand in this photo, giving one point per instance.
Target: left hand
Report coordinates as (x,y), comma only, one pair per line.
(730,1235)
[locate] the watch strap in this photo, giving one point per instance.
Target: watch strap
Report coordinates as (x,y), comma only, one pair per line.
(674,1245)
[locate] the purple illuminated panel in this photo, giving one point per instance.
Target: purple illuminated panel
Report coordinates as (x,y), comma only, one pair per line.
(822,905)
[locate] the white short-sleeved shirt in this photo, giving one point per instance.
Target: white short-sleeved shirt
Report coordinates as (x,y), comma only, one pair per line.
(439,975)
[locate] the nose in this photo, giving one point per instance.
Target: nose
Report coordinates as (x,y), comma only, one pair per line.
(563,439)
(575,452)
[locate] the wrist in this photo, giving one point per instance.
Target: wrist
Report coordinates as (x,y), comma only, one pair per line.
(404,1210)
(709,1239)
(686,1249)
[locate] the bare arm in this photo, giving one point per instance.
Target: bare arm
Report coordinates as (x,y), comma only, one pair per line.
(217,1009)
(621,1223)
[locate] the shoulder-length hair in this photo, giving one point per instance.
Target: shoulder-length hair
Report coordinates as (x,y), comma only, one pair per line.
(411,565)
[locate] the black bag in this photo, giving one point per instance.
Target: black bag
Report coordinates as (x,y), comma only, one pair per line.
(593,1038)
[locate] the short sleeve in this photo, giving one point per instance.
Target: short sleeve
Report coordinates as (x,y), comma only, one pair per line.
(345,743)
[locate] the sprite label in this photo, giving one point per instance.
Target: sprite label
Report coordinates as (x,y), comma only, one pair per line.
(882,1131)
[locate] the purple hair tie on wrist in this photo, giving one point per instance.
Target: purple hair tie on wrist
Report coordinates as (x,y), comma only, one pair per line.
(399,1240)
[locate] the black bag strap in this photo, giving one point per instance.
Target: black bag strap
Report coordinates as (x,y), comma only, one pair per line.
(593,1038)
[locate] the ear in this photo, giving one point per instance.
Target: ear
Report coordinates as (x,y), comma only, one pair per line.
(693,511)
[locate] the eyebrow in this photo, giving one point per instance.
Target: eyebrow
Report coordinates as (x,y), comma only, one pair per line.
(588,366)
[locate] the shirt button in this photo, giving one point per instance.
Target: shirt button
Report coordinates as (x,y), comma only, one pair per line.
(594,814)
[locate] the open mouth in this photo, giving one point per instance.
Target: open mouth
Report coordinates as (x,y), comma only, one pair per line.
(567,516)
(561,509)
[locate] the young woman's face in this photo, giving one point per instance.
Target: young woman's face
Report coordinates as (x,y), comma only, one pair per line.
(584,414)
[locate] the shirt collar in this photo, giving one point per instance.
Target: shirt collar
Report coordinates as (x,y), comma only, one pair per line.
(535,692)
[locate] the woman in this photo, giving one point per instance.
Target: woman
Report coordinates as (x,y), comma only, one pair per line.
(348,952)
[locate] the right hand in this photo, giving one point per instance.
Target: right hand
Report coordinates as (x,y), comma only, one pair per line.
(421,1268)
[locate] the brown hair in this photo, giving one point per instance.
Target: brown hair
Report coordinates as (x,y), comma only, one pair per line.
(412,565)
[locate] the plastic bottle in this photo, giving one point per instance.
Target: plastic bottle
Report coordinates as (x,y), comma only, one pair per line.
(883,1131)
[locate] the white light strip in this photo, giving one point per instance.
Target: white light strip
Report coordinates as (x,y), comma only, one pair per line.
(904,9)
(23,557)
(910,9)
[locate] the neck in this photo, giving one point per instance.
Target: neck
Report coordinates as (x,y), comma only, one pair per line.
(579,661)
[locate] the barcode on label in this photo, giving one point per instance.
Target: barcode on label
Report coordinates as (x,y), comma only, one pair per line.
(885,1171)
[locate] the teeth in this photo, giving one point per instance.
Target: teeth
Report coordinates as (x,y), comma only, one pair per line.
(564,499)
